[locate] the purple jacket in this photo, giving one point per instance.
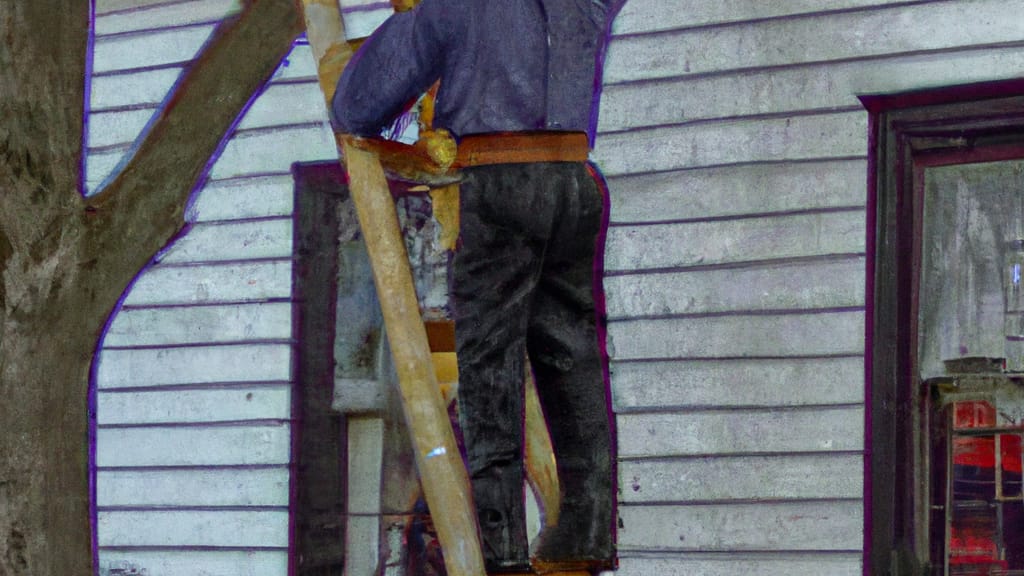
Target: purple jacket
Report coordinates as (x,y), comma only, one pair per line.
(504,65)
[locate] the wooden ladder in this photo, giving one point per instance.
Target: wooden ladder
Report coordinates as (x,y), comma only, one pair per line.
(442,474)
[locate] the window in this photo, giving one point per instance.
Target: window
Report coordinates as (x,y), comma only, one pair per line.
(946,330)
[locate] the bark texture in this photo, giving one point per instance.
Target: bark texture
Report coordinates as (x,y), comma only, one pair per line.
(65,260)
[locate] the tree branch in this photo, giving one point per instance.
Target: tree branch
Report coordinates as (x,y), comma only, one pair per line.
(146,201)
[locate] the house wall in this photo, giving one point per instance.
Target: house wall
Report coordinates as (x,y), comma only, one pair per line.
(735,150)
(736,154)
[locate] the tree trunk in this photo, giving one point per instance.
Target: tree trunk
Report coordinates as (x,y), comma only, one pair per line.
(65,260)
(47,343)
(44,495)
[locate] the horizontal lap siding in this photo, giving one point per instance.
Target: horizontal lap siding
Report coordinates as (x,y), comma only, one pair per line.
(282,104)
(742,336)
(727,431)
(200,325)
(662,149)
(231,241)
(108,129)
(148,48)
(247,197)
(263,402)
(738,563)
(193,562)
(832,283)
(193,439)
(735,150)
(259,151)
(725,191)
(639,16)
(235,528)
(194,365)
(263,486)
(811,476)
(141,89)
(778,526)
(175,13)
(213,283)
(297,66)
(732,382)
(690,244)
(210,445)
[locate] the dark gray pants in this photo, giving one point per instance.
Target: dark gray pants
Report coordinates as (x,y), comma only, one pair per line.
(525,282)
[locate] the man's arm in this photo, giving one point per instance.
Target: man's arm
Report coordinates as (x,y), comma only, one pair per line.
(397,64)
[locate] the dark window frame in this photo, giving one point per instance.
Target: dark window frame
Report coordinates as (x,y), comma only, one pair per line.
(909,132)
(318,484)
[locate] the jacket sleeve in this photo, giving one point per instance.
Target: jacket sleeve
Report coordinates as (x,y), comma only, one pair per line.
(395,65)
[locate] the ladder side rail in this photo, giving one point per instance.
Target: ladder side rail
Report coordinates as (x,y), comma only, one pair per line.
(442,473)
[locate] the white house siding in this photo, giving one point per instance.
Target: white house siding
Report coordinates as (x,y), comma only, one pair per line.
(736,155)
(194,381)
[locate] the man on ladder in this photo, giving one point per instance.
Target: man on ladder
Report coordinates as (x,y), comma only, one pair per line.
(517,81)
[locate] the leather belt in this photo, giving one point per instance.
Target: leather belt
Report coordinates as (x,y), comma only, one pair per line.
(521,147)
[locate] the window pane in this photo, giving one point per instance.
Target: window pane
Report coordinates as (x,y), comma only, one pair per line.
(973,214)
(986,533)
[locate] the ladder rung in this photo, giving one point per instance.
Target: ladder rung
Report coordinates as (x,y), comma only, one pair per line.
(440,335)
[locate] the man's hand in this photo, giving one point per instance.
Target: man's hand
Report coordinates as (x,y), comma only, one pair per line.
(428,161)
(440,146)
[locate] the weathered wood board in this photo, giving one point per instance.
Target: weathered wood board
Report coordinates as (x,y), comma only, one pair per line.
(734,431)
(195,487)
(772,237)
(147,50)
(228,404)
(738,190)
(212,283)
(805,137)
(810,526)
(737,563)
(195,445)
(233,528)
(805,285)
(733,382)
(119,16)
(738,336)
(742,478)
(244,197)
(257,562)
(642,16)
(171,366)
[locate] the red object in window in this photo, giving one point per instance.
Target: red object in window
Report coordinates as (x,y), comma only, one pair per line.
(1009,446)
(980,450)
(982,538)
(978,414)
(974,545)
